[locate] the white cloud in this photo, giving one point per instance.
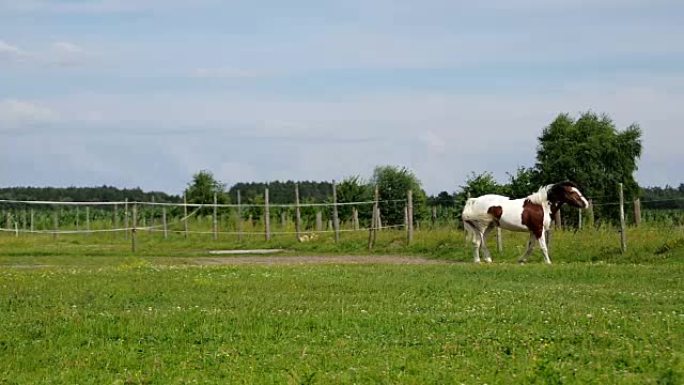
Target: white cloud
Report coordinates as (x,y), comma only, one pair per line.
(425,131)
(10,53)
(59,53)
(225,73)
(66,54)
(17,113)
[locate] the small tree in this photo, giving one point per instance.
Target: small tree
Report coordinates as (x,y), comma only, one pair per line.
(393,183)
(202,190)
(353,189)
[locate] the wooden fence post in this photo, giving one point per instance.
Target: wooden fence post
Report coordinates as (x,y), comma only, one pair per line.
(378,219)
(434,216)
(637,212)
(372,232)
(623,233)
(319,221)
(55,220)
(185,215)
(579,219)
(409,216)
(32,216)
(215,217)
(267,216)
(590,213)
(134,229)
(115,220)
(336,219)
(152,222)
(126,219)
(465,231)
(239,216)
(164,224)
(78,216)
(88,219)
(355,218)
(298,213)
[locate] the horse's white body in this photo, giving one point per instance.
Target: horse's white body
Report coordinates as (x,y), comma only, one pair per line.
(511,219)
(530,214)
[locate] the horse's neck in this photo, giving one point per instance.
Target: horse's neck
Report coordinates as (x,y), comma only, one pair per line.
(539,198)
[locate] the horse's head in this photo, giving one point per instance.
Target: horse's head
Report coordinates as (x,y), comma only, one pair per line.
(567,192)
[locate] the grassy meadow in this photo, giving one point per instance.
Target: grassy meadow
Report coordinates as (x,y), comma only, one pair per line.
(85,309)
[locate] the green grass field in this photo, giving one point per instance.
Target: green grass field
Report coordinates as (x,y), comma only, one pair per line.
(84,309)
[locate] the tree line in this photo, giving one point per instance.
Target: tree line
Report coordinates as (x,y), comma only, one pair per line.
(589,150)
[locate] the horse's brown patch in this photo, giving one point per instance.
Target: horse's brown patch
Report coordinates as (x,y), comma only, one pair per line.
(496,212)
(533,217)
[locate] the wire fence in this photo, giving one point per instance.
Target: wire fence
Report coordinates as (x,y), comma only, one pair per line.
(299,219)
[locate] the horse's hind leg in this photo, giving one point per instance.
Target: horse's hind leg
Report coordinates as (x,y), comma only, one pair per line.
(530,247)
(477,240)
(485,249)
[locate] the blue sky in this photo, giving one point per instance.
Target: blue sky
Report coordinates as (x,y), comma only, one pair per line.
(146,93)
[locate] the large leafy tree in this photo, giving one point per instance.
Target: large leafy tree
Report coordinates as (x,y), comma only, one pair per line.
(393,183)
(592,152)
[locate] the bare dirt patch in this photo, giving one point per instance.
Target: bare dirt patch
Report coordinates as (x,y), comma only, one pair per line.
(301,260)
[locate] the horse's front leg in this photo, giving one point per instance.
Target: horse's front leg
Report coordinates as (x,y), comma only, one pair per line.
(544,248)
(530,247)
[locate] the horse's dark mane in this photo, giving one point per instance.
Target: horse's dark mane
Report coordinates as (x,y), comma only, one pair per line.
(556,190)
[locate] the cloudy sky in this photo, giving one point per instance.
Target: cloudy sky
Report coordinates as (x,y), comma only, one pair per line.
(147,92)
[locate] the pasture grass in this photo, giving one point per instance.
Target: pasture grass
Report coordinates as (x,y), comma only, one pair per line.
(647,244)
(137,322)
(85,309)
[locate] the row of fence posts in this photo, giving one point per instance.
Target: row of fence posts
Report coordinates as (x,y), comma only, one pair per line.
(375,225)
(132,223)
(623,222)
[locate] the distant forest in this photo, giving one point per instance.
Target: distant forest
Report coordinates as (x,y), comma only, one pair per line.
(666,198)
(84,194)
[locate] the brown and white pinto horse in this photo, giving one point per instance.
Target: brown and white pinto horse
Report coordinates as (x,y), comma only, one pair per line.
(533,214)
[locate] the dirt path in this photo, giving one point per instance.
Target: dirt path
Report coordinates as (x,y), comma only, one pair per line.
(301,260)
